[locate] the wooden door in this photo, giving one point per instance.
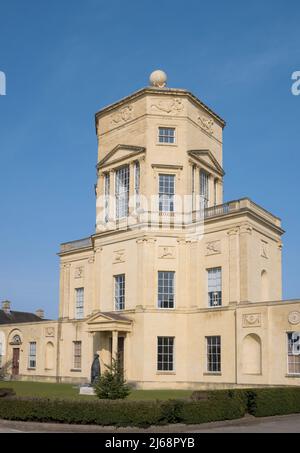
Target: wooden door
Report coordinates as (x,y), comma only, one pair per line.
(15,361)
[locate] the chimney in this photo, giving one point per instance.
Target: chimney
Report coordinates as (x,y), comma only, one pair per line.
(40,313)
(6,307)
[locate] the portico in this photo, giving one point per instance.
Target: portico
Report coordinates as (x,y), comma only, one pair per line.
(110,333)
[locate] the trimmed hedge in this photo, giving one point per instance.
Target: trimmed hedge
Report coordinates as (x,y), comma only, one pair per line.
(273,401)
(121,413)
(203,407)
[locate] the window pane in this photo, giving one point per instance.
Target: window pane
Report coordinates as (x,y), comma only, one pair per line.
(165,353)
(77,354)
(166,292)
(204,189)
(166,193)
(293,355)
(214,287)
(79,303)
(122,192)
(32,355)
(166,135)
(213,354)
(120,292)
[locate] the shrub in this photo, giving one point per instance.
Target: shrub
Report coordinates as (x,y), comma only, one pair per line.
(119,413)
(273,401)
(5,370)
(111,385)
(6,392)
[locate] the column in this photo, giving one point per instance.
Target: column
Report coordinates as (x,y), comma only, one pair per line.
(115,344)
(245,262)
(90,288)
(97,280)
(140,286)
(234,266)
(61,291)
(66,291)
(100,202)
(149,277)
(181,278)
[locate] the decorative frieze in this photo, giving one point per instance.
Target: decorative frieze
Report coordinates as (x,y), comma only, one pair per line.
(294,317)
(264,249)
(252,320)
(123,115)
(213,248)
(79,272)
(49,332)
(119,256)
(169,106)
(166,252)
(207,124)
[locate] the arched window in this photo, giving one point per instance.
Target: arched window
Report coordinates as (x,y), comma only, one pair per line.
(49,362)
(264,286)
(252,357)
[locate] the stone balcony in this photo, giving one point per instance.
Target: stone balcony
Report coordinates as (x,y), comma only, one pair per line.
(228,210)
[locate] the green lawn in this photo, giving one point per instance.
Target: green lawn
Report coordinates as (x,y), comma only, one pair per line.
(41,389)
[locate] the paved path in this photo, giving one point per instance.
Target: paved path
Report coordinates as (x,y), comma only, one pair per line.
(283,424)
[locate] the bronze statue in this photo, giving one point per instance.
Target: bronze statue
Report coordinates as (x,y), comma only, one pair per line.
(95,370)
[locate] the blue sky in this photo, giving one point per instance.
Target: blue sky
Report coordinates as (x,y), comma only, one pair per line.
(64,60)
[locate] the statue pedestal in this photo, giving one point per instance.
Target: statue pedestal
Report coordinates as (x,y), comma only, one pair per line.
(86,390)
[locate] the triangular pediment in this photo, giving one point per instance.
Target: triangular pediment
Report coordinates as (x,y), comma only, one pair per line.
(121,153)
(206,158)
(109,321)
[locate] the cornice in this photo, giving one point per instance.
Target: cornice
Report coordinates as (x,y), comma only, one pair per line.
(162,92)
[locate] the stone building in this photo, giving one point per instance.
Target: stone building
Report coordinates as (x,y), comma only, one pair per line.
(184,288)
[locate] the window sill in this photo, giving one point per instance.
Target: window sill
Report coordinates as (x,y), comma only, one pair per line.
(75,370)
(212,374)
(293,376)
(31,369)
(165,373)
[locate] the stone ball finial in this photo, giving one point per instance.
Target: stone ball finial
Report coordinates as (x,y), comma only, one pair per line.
(158,79)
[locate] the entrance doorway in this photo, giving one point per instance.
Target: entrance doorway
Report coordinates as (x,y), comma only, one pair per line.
(15,361)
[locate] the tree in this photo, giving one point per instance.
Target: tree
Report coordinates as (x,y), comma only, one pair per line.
(112,385)
(5,370)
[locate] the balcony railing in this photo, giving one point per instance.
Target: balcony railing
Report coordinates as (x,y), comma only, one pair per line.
(177,220)
(244,204)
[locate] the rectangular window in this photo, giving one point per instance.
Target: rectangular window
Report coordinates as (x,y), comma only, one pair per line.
(122,192)
(166,135)
(213,354)
(106,195)
(79,303)
(77,354)
(32,355)
(165,353)
(166,289)
(204,189)
(137,184)
(166,193)
(1,354)
(214,287)
(293,353)
(120,292)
